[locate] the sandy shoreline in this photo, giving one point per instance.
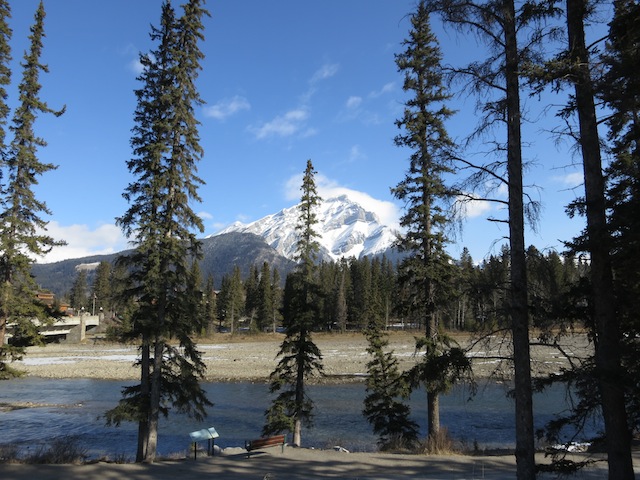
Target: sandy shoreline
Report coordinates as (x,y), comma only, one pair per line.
(253,358)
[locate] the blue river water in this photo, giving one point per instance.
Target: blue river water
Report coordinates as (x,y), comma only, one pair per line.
(77,406)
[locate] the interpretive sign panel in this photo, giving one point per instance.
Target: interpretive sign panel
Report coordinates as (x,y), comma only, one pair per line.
(204,434)
(208,434)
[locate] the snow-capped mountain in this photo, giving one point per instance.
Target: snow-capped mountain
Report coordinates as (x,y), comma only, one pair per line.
(346,229)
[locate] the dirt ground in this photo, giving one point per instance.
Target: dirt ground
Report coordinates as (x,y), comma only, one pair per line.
(298,464)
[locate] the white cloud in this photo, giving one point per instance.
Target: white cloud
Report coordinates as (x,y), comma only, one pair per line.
(283,125)
(355,108)
(353,102)
(83,241)
(388,212)
(355,153)
(227,107)
(387,88)
(326,71)
(309,132)
(135,66)
(571,180)
(292,187)
(294,121)
(472,208)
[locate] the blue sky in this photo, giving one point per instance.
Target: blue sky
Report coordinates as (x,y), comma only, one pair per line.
(284,81)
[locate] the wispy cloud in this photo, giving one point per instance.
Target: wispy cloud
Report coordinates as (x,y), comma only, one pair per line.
(363,109)
(83,241)
(327,70)
(136,66)
(353,102)
(227,107)
(294,121)
(131,52)
(356,153)
(290,123)
(386,88)
(571,180)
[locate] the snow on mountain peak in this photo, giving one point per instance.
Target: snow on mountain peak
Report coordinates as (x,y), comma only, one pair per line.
(345,228)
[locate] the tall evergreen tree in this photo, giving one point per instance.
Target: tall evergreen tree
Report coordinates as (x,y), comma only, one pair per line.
(360,298)
(276,293)
(512,32)
(620,89)
(123,304)
(252,300)
(426,271)
(101,296)
(21,223)
(384,405)
(299,355)
(388,289)
(78,297)
(265,299)
(211,307)
(231,300)
(574,67)
(5,73)
(598,242)
(162,225)
(464,291)
(341,308)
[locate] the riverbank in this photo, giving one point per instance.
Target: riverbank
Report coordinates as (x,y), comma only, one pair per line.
(297,464)
(253,357)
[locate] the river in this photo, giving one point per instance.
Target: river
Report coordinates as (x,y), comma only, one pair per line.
(75,407)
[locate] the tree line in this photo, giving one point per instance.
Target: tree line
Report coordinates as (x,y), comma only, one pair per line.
(355,292)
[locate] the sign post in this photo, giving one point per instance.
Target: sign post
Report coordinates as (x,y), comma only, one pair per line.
(208,434)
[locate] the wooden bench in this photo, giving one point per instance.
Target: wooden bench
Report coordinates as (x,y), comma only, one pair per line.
(260,443)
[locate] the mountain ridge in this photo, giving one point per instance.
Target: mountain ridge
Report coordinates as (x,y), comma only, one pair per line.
(345,227)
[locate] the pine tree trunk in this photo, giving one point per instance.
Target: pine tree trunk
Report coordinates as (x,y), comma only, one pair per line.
(607,345)
(297,427)
(297,432)
(143,421)
(433,414)
(433,399)
(525,444)
(6,294)
(3,330)
(154,401)
(233,314)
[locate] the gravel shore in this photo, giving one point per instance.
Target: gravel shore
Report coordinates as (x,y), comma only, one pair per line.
(253,357)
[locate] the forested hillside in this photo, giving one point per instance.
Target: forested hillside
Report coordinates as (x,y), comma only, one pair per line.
(355,291)
(220,255)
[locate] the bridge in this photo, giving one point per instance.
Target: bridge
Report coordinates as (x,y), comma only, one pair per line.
(72,329)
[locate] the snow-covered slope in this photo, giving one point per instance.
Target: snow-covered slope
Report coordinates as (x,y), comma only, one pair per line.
(345,227)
